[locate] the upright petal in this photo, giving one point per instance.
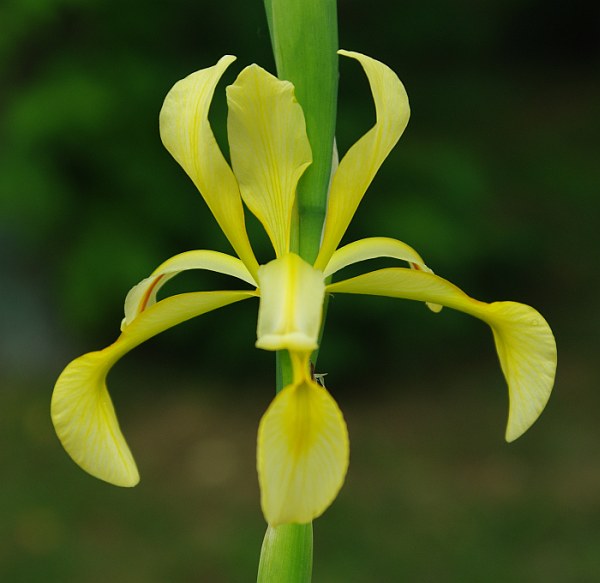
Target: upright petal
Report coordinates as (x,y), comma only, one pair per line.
(302,455)
(524,341)
(186,133)
(291,304)
(143,295)
(269,149)
(82,410)
(360,164)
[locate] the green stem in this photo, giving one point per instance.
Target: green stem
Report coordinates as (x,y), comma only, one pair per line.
(284,554)
(304,38)
(284,375)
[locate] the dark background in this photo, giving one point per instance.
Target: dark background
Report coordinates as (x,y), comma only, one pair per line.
(495,182)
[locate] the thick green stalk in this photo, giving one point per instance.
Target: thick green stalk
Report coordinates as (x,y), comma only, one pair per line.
(286,554)
(304,38)
(283,369)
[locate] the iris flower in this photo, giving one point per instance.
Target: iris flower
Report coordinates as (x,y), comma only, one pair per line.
(303,447)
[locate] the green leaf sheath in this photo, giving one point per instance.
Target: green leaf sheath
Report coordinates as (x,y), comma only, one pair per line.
(286,554)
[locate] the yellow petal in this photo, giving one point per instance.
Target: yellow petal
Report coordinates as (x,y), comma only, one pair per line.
(85,421)
(524,341)
(269,148)
(372,248)
(82,411)
(143,295)
(527,352)
(303,453)
(186,133)
(291,304)
(360,164)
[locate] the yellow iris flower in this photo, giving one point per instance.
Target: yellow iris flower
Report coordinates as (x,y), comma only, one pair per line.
(303,446)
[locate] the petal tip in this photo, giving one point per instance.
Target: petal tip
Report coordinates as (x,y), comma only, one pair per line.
(86,424)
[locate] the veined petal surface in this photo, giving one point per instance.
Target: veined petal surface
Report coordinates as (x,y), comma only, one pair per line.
(302,454)
(291,305)
(269,148)
(360,164)
(372,248)
(82,410)
(527,352)
(186,133)
(143,295)
(524,341)
(85,421)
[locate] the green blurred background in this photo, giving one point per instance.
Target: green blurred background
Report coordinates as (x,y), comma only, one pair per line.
(495,182)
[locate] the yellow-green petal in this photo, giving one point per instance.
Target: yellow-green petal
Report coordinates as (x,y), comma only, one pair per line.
(85,421)
(372,248)
(269,149)
(360,164)
(527,352)
(291,305)
(524,341)
(302,454)
(143,295)
(82,410)
(186,133)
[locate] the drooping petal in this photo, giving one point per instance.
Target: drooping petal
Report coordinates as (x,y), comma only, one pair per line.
(360,164)
(302,454)
(82,410)
(291,304)
(85,421)
(143,295)
(269,148)
(524,341)
(186,133)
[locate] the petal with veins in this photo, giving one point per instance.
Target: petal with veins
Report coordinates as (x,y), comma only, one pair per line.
(269,148)
(82,410)
(374,247)
(524,341)
(360,164)
(186,133)
(143,295)
(302,455)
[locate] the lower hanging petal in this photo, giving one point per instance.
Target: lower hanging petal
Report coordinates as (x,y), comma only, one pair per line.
(527,352)
(303,454)
(524,341)
(81,409)
(85,421)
